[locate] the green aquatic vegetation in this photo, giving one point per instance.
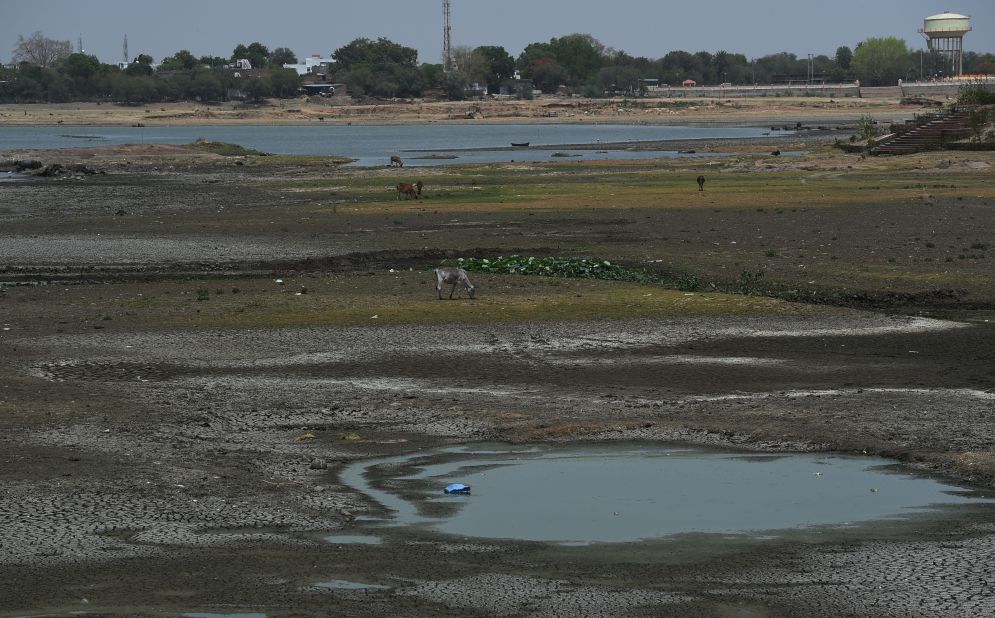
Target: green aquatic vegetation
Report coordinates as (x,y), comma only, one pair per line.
(558,267)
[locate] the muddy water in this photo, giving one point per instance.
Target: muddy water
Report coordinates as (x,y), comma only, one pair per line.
(621,494)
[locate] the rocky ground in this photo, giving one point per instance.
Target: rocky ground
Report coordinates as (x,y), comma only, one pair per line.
(194,349)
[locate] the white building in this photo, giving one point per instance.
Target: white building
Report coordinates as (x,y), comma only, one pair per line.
(311,64)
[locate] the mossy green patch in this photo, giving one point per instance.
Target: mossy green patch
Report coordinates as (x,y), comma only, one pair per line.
(226,149)
(403,298)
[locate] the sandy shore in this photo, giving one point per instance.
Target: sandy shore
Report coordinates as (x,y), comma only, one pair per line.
(738,112)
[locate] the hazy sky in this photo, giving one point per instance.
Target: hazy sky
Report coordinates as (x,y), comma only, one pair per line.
(639,27)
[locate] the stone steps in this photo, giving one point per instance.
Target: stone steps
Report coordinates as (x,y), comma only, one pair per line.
(928,136)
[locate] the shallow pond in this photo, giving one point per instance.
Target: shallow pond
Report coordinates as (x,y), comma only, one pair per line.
(621,494)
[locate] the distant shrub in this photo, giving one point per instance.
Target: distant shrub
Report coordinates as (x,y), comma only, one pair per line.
(975,94)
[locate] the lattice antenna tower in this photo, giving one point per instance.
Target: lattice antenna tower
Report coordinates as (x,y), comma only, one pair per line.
(447,39)
(125,54)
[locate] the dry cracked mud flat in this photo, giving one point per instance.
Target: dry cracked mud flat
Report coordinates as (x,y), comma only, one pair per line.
(170,446)
(196,470)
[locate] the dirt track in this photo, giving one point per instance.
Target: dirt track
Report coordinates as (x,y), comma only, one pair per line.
(173,417)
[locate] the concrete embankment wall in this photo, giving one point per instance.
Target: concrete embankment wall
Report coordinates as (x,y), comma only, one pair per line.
(909,89)
(815,90)
(938,90)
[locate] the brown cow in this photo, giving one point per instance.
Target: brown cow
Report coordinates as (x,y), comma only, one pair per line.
(395,161)
(407,189)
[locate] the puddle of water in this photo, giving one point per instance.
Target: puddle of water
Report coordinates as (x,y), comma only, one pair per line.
(623,494)
(342,584)
(347,539)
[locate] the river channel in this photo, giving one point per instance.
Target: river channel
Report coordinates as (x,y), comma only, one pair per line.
(372,145)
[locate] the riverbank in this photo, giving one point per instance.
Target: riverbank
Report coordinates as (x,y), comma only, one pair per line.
(195,346)
(690,112)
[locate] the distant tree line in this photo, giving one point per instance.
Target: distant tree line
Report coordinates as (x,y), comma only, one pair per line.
(48,70)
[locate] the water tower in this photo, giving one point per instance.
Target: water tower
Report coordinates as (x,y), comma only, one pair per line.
(944,34)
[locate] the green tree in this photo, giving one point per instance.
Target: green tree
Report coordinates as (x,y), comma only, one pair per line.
(881,61)
(431,75)
(548,76)
(256,89)
(205,85)
(844,56)
(256,53)
(284,83)
(281,56)
(499,66)
(182,60)
(81,66)
(215,62)
(580,55)
(533,55)
(379,53)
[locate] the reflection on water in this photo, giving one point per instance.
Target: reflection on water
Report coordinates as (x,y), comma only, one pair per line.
(373,144)
(620,494)
(342,584)
(349,539)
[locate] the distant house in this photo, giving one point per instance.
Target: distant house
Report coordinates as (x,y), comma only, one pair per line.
(311,65)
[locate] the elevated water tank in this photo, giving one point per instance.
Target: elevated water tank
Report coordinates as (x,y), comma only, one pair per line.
(945,34)
(946,24)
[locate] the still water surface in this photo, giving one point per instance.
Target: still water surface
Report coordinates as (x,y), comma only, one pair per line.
(373,144)
(621,494)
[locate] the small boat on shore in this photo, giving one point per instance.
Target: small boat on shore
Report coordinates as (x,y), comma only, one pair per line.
(520,144)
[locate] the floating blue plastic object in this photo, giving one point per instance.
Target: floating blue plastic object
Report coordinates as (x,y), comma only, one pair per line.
(457,488)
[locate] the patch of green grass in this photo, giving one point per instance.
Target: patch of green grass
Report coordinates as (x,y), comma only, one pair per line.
(226,149)
(550,302)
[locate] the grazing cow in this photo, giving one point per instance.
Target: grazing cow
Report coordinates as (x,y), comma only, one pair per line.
(419,185)
(395,161)
(407,189)
(701,183)
(451,275)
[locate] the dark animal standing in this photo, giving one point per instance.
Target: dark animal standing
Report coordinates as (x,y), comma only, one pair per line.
(776,153)
(451,275)
(419,185)
(701,183)
(395,161)
(408,190)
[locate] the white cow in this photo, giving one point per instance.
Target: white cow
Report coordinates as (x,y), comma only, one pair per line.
(451,275)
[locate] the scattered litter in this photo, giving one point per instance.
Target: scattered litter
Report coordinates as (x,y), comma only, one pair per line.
(374,316)
(304,437)
(457,488)
(280,281)
(818,473)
